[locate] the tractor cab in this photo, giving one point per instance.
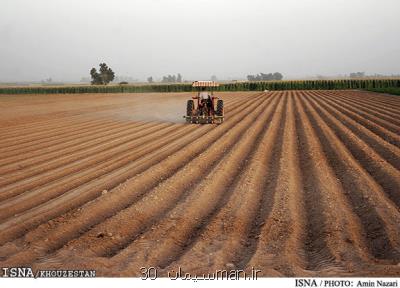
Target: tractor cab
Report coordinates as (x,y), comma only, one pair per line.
(204,107)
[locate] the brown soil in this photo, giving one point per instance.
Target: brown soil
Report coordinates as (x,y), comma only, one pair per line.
(293,183)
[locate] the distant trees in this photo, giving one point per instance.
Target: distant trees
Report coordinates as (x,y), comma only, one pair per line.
(150,79)
(357,75)
(214,78)
(123,78)
(168,79)
(103,77)
(172,79)
(265,77)
(47,81)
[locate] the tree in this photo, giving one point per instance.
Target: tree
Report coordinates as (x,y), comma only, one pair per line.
(265,77)
(214,78)
(96,80)
(150,79)
(105,76)
(357,75)
(277,76)
(251,78)
(172,78)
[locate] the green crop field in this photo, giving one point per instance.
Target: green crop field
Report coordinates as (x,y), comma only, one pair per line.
(236,86)
(390,90)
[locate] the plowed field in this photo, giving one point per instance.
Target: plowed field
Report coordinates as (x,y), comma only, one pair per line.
(301,183)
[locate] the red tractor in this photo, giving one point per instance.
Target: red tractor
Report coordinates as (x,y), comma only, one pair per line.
(208,108)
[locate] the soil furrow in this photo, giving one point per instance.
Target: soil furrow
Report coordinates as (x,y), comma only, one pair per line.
(169,193)
(293,183)
(383,111)
(389,152)
(384,121)
(317,251)
(377,98)
(51,162)
(280,240)
(380,219)
(226,239)
(82,154)
(77,145)
(54,146)
(72,130)
(383,173)
(145,181)
(204,201)
(385,128)
(68,179)
(36,127)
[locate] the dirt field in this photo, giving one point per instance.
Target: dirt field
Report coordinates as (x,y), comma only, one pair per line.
(292,183)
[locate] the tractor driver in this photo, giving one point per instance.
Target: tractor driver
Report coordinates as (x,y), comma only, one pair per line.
(205,98)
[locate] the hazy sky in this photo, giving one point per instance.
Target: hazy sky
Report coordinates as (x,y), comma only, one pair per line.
(63,39)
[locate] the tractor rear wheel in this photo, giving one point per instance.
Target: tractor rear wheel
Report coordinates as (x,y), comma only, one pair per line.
(220,108)
(189,110)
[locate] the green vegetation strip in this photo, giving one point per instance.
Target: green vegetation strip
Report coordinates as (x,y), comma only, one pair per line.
(237,86)
(390,90)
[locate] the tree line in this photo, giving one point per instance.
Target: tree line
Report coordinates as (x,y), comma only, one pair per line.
(106,75)
(265,77)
